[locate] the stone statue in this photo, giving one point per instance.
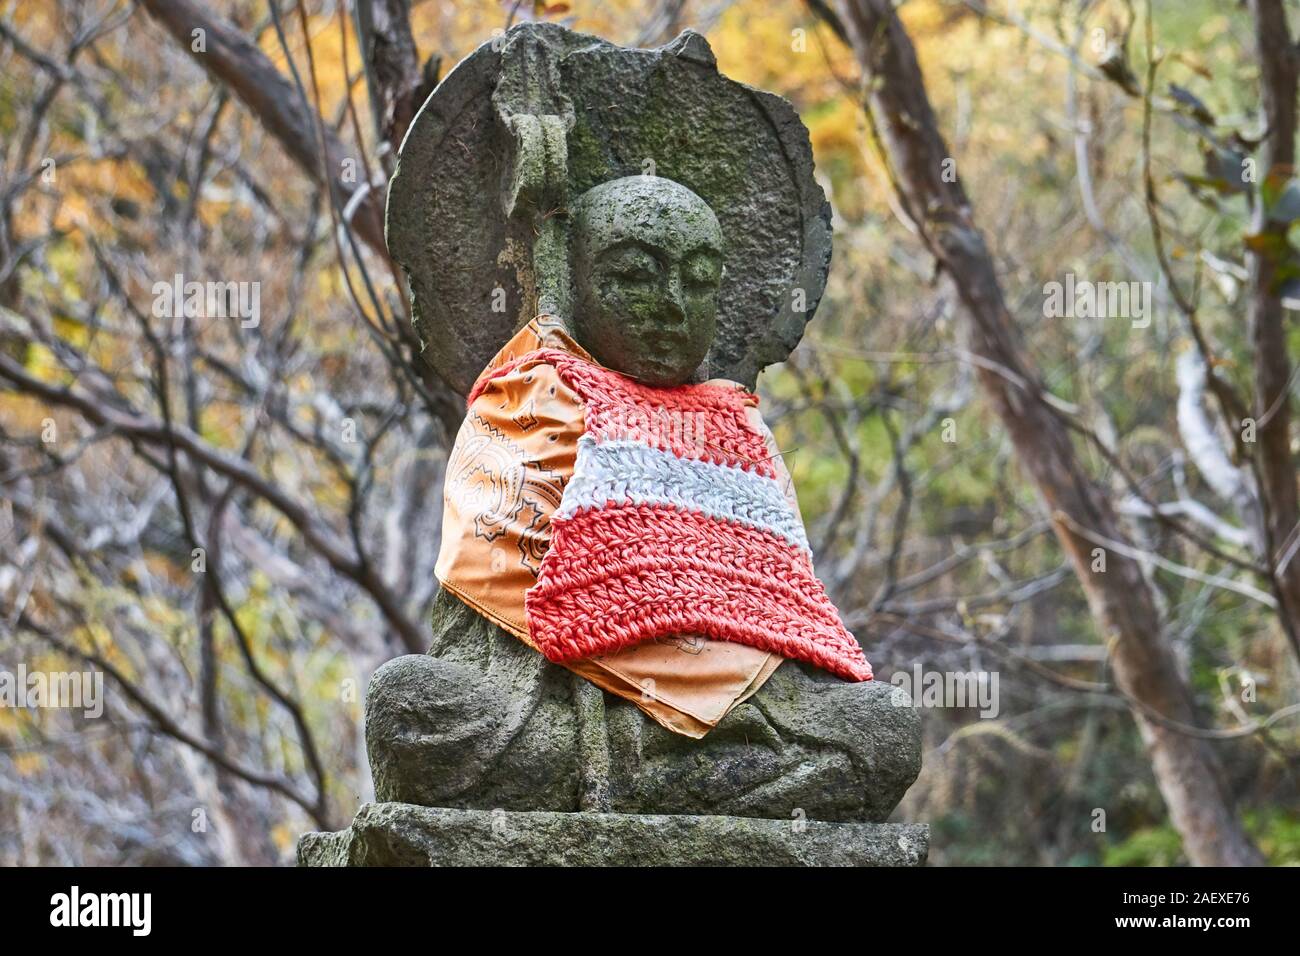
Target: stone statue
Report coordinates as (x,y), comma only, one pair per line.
(483,750)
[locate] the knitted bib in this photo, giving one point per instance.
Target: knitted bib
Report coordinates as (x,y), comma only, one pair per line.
(674,523)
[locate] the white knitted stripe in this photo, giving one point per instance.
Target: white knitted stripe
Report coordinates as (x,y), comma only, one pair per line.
(629,471)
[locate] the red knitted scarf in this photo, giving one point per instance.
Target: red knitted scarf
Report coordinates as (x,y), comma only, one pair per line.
(674,522)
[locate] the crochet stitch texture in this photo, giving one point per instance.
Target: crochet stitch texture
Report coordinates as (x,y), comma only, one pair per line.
(674,523)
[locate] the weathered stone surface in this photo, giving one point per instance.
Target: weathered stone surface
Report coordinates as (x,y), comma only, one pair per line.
(668,111)
(647,263)
(396,834)
(488,722)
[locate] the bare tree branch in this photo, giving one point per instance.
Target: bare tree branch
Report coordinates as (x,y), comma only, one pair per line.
(234,61)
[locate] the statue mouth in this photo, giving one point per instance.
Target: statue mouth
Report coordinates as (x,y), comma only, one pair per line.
(659,344)
(659,371)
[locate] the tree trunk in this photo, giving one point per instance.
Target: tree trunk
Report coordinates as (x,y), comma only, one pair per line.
(1272,367)
(398,85)
(1120,597)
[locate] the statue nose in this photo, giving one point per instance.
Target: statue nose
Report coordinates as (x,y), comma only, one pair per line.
(675,300)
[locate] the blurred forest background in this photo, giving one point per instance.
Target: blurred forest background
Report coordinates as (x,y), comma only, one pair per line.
(237,522)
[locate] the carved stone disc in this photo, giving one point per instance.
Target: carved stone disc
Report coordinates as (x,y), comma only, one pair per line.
(666,111)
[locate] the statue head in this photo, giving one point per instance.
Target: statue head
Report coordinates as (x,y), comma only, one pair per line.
(647,264)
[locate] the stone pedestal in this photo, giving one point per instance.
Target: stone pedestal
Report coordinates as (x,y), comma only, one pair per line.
(488,754)
(402,834)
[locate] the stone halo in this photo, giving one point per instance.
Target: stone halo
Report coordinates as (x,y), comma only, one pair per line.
(665,111)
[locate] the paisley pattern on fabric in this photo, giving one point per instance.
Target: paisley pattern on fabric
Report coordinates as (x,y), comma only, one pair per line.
(487,478)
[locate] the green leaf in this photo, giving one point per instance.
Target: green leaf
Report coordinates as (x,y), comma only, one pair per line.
(1114,65)
(1188,101)
(1285,205)
(1271,245)
(1226,168)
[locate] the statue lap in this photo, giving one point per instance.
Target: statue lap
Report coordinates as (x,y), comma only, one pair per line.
(485,721)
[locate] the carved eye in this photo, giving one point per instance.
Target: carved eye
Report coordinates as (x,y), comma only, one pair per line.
(701,271)
(633,265)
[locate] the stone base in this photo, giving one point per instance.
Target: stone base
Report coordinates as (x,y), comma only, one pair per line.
(403,834)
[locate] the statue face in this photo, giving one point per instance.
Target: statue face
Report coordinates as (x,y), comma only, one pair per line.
(647,266)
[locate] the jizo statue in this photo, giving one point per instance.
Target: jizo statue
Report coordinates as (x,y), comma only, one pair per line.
(629,621)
